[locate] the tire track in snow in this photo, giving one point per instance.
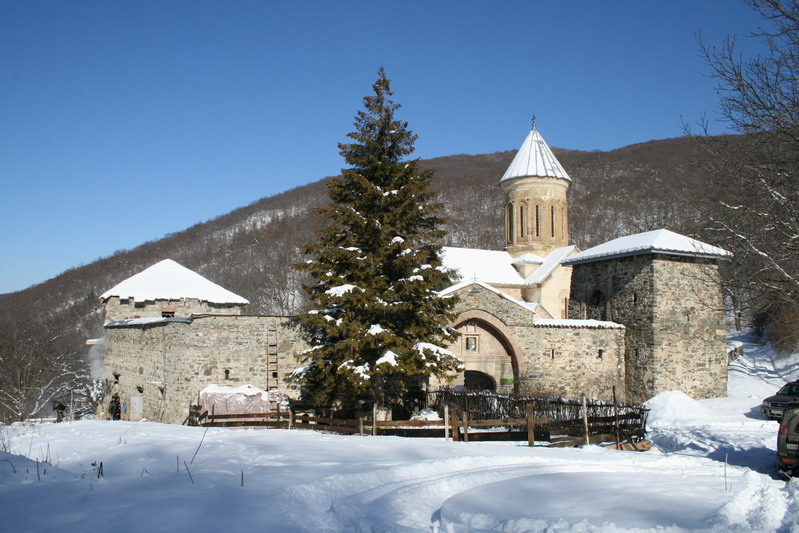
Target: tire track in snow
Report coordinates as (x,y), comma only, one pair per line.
(389,500)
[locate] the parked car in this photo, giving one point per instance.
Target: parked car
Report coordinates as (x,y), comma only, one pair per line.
(773,406)
(788,440)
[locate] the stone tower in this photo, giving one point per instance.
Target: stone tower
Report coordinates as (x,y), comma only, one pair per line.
(536,211)
(664,288)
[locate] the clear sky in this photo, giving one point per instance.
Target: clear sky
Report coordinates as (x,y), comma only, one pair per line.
(123,121)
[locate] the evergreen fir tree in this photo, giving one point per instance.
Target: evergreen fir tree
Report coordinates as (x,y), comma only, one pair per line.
(380,327)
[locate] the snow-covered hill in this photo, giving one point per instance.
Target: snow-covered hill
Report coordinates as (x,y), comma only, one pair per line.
(712,469)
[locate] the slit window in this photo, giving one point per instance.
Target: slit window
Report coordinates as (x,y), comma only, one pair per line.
(509,223)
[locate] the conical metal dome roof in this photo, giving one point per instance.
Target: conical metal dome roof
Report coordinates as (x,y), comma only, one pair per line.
(535,158)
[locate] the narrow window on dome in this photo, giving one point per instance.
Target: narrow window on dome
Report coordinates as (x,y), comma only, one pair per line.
(537,221)
(509,223)
(552,215)
(522,220)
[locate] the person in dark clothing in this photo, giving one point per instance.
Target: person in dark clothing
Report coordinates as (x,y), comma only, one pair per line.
(115,407)
(59,409)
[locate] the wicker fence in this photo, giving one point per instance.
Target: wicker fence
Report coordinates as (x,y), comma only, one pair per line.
(566,416)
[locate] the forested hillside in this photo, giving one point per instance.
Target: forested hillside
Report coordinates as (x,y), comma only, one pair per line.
(249,251)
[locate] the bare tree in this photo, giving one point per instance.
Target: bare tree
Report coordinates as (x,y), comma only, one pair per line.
(35,367)
(751,197)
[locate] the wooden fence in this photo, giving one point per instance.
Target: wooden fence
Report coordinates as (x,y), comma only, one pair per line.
(569,422)
(566,417)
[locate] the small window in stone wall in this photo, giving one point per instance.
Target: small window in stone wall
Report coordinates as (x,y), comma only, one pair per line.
(227,374)
(471,343)
(550,353)
(600,354)
(274,375)
(635,298)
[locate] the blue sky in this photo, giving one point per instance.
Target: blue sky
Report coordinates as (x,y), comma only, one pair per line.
(121,121)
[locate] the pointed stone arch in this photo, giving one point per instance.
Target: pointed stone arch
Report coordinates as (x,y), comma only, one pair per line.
(501,333)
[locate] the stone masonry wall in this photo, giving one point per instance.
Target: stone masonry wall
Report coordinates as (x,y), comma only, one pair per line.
(119,309)
(172,362)
(671,307)
(690,338)
(566,359)
(573,360)
(628,288)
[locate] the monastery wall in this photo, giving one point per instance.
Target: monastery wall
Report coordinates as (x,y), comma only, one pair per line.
(690,337)
(628,297)
(172,361)
(120,309)
(672,311)
(566,359)
(573,360)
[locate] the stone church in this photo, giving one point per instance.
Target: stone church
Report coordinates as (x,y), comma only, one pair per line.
(641,313)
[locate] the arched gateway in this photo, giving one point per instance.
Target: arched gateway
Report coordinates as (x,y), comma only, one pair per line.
(489,352)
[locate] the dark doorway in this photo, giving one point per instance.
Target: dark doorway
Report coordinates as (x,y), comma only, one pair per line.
(478,381)
(597,307)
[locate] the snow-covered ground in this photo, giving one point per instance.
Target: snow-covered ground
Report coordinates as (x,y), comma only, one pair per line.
(712,468)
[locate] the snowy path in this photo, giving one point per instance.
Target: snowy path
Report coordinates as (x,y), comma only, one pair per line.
(712,469)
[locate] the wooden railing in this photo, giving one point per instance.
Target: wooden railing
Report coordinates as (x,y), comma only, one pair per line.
(595,425)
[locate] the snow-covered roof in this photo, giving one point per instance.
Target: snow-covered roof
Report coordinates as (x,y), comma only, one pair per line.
(245,390)
(169,280)
(496,267)
(143,322)
(660,241)
(534,158)
(552,261)
(528,258)
(488,266)
(575,323)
